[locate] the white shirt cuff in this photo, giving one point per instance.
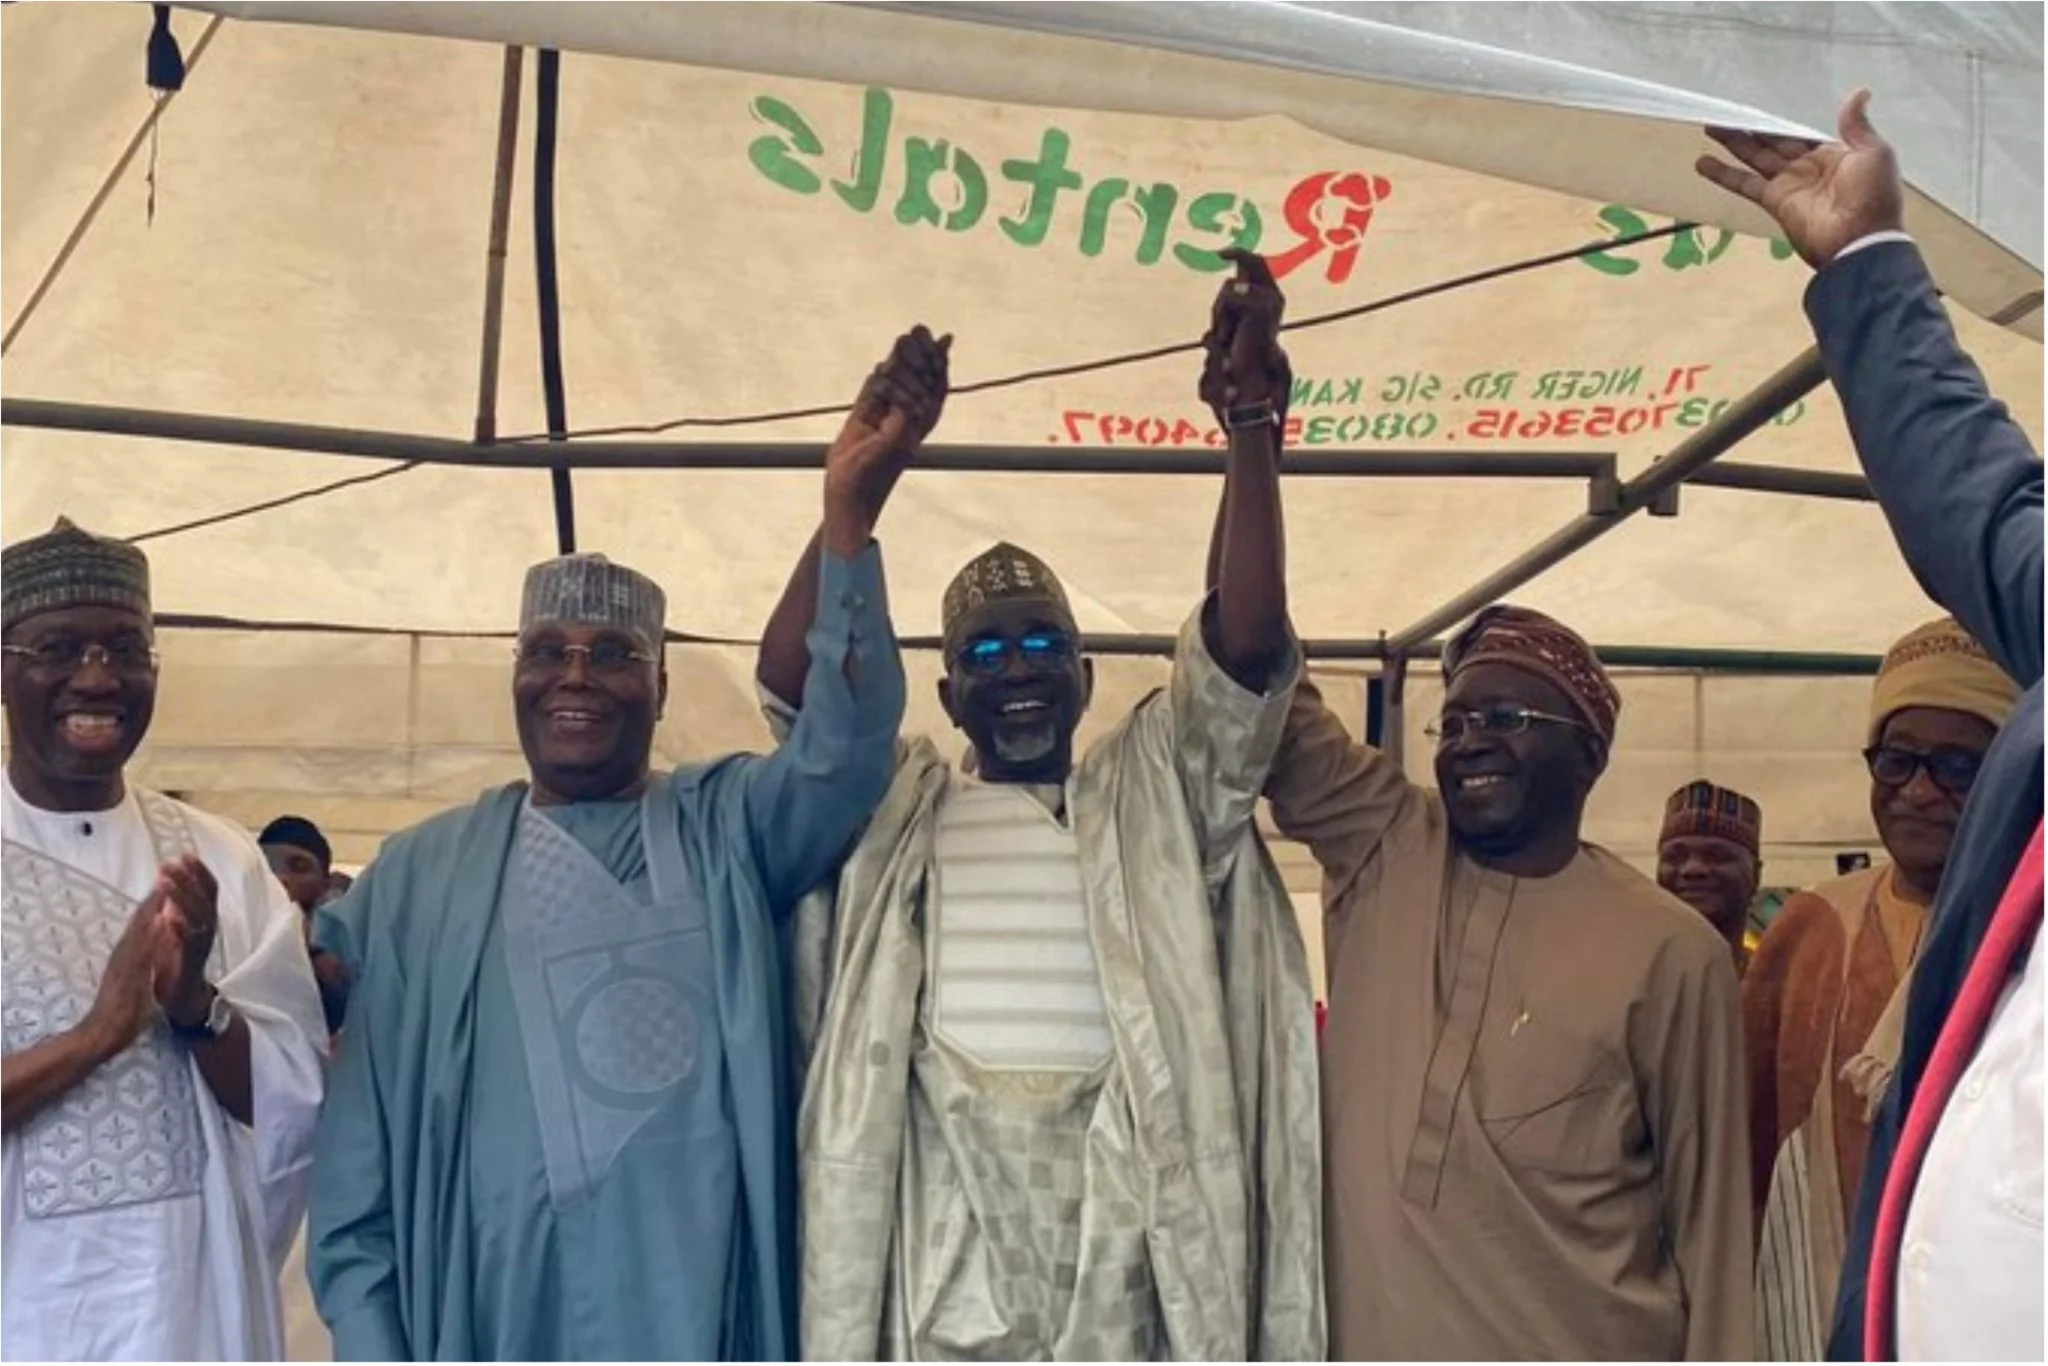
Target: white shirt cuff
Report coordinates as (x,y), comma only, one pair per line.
(1872,239)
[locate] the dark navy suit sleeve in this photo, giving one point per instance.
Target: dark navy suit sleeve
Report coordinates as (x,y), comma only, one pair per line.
(1957,478)
(1961,486)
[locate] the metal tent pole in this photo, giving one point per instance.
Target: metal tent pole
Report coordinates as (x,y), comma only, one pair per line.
(1741,418)
(208,429)
(158,108)
(1728,474)
(1788,663)
(494,252)
(547,100)
(1394,722)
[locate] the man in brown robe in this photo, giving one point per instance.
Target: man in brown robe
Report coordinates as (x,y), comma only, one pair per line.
(1824,1001)
(1532,1081)
(1710,856)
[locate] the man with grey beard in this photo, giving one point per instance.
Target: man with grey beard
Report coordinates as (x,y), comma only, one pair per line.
(1060,1100)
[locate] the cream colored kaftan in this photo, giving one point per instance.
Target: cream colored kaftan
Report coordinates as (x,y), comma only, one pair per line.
(1180,1192)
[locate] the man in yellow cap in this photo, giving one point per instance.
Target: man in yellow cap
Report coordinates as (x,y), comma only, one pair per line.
(1824,1000)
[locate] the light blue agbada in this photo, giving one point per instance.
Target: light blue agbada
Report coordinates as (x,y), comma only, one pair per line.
(561,1123)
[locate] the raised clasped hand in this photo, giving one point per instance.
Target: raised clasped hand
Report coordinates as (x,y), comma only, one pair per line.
(1243,362)
(898,407)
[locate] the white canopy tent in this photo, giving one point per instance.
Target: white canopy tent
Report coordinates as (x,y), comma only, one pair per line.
(751,200)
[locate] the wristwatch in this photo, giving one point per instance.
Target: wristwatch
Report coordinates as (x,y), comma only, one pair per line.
(1248,415)
(219,1015)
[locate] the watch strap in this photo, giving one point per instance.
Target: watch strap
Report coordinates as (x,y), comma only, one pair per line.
(212,1026)
(1241,416)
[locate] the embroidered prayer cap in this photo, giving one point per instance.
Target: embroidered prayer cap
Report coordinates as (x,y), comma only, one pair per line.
(70,567)
(589,590)
(1940,665)
(301,833)
(1523,638)
(1700,808)
(1002,572)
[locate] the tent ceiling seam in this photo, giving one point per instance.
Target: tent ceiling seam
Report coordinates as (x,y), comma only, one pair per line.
(271,504)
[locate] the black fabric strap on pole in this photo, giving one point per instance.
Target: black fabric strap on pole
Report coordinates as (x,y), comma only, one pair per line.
(548,98)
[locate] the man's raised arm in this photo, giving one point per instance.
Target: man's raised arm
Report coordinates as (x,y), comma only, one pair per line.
(1957,478)
(839,667)
(898,407)
(1236,662)
(1246,381)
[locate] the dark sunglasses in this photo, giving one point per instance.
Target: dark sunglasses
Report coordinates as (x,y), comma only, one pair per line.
(1953,770)
(1041,651)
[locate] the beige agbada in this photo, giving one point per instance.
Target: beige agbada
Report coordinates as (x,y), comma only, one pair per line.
(1533,1089)
(1200,1164)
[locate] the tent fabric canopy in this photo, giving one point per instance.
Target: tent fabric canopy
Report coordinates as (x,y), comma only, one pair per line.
(753,200)
(1408,81)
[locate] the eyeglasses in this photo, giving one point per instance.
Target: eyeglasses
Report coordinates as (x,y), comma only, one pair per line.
(127,655)
(1504,719)
(1953,770)
(610,657)
(1042,652)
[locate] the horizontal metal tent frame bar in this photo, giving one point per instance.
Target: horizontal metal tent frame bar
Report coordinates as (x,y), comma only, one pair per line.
(1852,488)
(1598,467)
(1799,663)
(1610,501)
(770,455)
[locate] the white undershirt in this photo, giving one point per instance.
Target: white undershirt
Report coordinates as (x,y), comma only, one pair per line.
(1013,968)
(1970,1265)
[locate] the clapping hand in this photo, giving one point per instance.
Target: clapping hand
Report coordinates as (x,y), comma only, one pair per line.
(190,919)
(126,1000)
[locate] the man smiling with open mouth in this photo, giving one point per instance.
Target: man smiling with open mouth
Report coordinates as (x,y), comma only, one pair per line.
(560,1127)
(163,1035)
(1049,973)
(1532,1068)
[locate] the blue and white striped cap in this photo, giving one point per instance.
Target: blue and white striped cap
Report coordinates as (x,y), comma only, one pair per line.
(590,590)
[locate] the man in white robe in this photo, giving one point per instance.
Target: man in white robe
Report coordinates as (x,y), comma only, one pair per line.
(163,1034)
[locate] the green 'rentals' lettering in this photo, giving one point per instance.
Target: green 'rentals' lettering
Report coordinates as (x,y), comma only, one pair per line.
(1046,176)
(771,155)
